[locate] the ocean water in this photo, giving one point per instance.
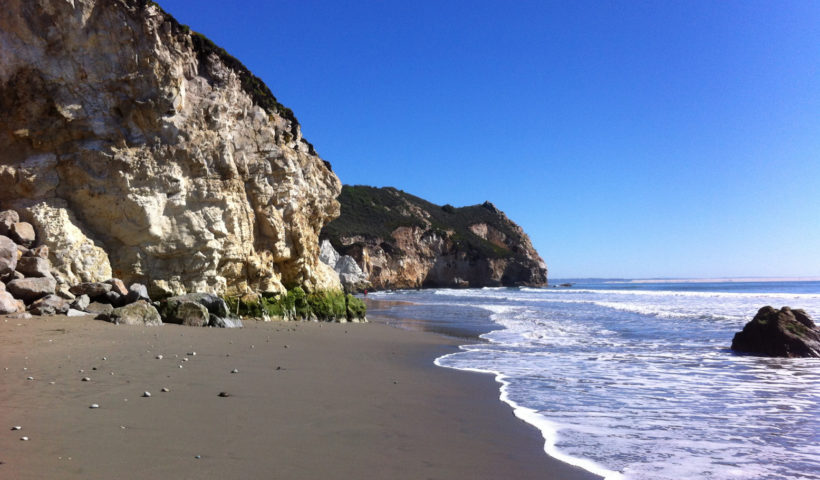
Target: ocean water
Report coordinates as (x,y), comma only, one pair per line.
(636,380)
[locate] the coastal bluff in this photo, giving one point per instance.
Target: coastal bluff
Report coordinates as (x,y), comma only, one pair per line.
(137,149)
(402,241)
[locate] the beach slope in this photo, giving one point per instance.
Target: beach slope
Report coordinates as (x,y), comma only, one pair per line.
(306,401)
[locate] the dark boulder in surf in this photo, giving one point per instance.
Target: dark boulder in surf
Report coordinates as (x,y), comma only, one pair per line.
(779,333)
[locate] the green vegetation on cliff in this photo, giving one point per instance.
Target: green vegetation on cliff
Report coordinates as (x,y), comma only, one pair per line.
(298,305)
(376,212)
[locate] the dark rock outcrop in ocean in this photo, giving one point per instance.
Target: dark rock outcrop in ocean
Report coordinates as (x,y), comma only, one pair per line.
(135,148)
(401,241)
(779,333)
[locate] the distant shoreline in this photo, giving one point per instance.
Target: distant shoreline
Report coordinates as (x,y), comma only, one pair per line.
(718,280)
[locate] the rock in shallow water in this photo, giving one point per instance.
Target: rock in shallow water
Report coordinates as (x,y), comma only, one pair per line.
(779,333)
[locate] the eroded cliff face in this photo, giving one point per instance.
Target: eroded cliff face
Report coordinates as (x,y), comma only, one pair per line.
(132,145)
(402,241)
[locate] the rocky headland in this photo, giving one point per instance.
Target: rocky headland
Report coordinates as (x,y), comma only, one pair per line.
(397,240)
(137,149)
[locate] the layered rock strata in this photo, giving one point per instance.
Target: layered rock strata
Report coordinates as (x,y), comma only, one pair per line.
(401,241)
(137,149)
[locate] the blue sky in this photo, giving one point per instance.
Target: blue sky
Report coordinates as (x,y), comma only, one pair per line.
(628,138)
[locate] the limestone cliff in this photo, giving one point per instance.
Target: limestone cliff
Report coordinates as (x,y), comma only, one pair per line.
(141,150)
(402,241)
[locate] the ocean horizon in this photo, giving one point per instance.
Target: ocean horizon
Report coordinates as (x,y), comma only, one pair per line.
(634,379)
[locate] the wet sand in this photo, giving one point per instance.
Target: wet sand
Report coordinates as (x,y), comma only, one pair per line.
(308,401)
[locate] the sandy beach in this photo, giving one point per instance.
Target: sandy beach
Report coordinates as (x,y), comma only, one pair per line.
(307,401)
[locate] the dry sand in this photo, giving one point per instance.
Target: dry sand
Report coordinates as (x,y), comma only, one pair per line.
(341,401)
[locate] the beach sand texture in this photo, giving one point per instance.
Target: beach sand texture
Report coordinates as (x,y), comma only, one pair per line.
(307,401)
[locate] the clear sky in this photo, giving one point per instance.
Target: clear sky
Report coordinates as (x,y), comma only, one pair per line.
(628,138)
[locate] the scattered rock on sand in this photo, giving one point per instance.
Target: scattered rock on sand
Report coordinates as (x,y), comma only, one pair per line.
(102,311)
(188,313)
(779,333)
(81,303)
(75,313)
(215,305)
(138,313)
(7,303)
(49,305)
(31,289)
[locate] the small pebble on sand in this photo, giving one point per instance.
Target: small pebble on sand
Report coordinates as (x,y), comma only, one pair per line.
(146,394)
(17,427)
(234,371)
(165,389)
(25,439)
(29,378)
(94,405)
(159,357)
(86,379)
(224,394)
(184,359)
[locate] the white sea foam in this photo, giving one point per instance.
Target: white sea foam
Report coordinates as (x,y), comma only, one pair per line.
(641,385)
(549,430)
